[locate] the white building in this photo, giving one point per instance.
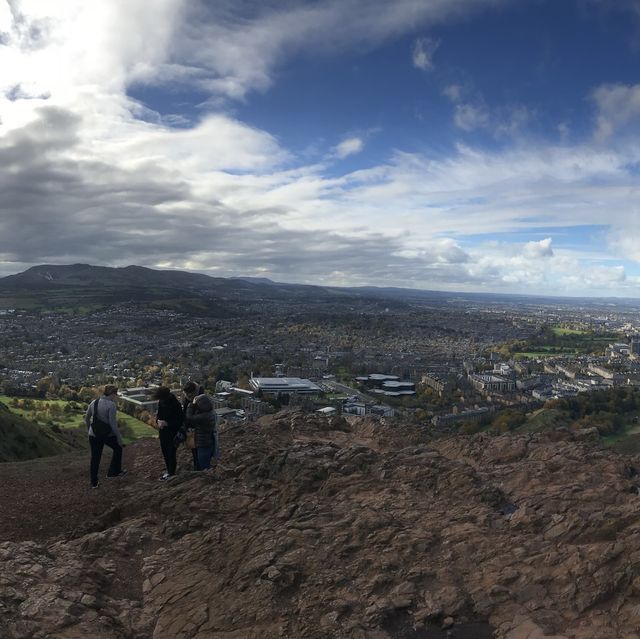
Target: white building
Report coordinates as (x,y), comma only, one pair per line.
(493,383)
(288,385)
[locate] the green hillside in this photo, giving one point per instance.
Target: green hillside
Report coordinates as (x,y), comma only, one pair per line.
(66,417)
(20,439)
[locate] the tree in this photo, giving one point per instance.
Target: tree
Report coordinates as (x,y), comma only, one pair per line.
(507,420)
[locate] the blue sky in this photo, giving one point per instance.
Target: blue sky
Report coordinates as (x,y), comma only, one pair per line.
(469,145)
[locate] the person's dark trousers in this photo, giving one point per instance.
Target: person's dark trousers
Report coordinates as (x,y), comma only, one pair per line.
(204,457)
(168,448)
(97,444)
(194,454)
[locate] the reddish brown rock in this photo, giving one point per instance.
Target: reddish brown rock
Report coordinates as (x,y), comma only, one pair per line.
(322,528)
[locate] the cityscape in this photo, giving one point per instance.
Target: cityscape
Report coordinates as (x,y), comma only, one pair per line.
(437,362)
(319,319)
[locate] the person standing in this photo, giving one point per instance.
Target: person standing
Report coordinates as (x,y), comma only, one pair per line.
(190,390)
(169,419)
(201,417)
(102,427)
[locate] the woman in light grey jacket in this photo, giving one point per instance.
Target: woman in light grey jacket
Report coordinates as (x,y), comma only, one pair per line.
(102,427)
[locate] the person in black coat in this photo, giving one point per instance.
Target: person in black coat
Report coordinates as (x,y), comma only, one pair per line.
(169,420)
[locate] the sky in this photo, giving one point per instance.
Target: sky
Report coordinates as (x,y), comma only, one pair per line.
(460,145)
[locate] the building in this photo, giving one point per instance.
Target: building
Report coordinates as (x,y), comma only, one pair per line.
(389,385)
(254,407)
(618,350)
(503,369)
(355,408)
(474,415)
(438,382)
(284,385)
(142,397)
(327,411)
(568,370)
(614,377)
(383,410)
(492,383)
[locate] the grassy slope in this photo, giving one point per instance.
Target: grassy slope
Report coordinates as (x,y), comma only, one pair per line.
(21,440)
(135,429)
(627,441)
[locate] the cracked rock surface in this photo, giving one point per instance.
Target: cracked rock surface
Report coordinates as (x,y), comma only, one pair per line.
(318,528)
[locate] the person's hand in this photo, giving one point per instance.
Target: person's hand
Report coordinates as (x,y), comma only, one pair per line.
(161,423)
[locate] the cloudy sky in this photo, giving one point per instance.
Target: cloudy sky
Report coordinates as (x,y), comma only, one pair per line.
(466,145)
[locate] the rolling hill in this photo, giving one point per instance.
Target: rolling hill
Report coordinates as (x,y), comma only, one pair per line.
(20,439)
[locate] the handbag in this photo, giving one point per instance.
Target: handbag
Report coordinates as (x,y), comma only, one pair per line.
(190,441)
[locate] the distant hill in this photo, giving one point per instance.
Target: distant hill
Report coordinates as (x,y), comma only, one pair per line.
(21,439)
(83,286)
(85,275)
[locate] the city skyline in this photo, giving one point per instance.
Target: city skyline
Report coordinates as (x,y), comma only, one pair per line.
(466,145)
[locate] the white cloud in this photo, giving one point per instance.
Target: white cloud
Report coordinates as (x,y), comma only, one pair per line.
(423,51)
(470,117)
(350,146)
(453,92)
(224,197)
(539,249)
(230,48)
(618,106)
(508,120)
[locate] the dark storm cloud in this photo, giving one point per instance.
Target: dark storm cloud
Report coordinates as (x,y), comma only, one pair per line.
(59,204)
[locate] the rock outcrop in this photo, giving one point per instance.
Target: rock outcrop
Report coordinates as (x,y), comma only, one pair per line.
(316,528)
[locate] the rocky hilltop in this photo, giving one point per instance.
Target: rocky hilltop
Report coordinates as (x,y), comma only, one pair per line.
(316,528)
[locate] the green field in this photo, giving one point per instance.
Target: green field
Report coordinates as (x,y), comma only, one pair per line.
(626,440)
(71,415)
(546,352)
(558,330)
(544,419)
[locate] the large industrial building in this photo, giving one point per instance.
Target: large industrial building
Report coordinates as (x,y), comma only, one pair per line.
(285,385)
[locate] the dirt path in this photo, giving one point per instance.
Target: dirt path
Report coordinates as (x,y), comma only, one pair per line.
(43,499)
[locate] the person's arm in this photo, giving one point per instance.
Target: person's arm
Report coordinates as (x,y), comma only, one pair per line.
(88,415)
(189,414)
(113,422)
(162,412)
(178,414)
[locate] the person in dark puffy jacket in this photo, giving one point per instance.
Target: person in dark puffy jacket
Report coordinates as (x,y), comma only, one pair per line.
(201,417)
(169,419)
(189,392)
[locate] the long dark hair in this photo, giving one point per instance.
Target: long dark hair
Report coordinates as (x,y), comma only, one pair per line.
(162,393)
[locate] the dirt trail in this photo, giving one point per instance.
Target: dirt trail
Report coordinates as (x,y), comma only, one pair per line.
(43,499)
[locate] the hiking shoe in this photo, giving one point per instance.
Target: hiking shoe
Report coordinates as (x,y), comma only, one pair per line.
(164,476)
(122,473)
(167,477)
(94,485)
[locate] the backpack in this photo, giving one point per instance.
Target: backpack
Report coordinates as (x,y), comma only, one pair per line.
(100,428)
